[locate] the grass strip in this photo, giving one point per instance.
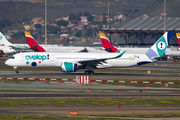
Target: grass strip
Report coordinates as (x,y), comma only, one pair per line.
(89,102)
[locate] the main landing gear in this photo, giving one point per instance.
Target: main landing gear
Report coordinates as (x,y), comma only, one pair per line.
(89,72)
(16,71)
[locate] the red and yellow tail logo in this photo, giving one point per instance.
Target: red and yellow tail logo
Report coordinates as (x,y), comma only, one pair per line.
(33,44)
(106,43)
(178,38)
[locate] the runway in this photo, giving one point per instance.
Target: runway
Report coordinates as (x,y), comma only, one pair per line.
(90,110)
(72,87)
(160,65)
(72,95)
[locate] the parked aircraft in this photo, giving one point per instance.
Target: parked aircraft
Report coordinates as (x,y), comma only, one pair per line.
(108,46)
(5,42)
(6,50)
(71,62)
(178,38)
(13,47)
(42,48)
(94,40)
(3,48)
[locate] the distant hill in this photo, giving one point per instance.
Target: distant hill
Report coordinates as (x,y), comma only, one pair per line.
(157,9)
(152,8)
(19,10)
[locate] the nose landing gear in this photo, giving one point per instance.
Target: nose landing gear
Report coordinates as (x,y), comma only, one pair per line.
(16,71)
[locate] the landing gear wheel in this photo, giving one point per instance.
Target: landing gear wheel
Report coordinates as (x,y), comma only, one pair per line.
(89,72)
(16,71)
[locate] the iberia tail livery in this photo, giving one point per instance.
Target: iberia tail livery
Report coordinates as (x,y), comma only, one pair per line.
(178,38)
(33,44)
(107,44)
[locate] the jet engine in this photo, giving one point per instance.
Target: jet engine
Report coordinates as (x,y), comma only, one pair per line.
(68,67)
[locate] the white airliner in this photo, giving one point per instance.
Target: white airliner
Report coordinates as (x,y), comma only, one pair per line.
(5,42)
(71,62)
(3,48)
(42,48)
(110,48)
(6,49)
(49,48)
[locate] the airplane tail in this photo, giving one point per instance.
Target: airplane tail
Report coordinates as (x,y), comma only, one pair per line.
(107,44)
(4,41)
(158,49)
(178,38)
(32,43)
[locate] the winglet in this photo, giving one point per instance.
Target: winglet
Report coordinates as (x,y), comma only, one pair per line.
(120,54)
(118,51)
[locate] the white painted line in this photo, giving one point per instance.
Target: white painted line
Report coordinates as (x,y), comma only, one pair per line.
(145,82)
(158,83)
(122,81)
(98,80)
(110,81)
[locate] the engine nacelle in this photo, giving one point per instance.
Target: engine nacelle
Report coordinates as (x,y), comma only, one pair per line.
(68,67)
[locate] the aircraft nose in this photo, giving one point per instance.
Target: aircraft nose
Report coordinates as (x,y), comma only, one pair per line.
(13,50)
(7,62)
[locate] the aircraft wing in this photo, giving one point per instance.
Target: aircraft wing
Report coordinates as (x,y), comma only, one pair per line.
(98,61)
(84,50)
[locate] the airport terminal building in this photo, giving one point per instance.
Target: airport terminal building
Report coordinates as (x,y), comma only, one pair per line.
(144,31)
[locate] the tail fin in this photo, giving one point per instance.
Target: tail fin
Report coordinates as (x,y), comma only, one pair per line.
(4,41)
(107,44)
(159,48)
(32,43)
(178,38)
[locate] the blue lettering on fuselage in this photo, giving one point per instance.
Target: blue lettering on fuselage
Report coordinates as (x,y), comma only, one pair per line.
(37,57)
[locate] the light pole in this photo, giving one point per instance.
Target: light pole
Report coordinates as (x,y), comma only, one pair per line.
(45,23)
(108,13)
(164,16)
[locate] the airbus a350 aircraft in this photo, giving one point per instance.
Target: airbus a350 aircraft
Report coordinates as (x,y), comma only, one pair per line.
(42,48)
(71,62)
(108,46)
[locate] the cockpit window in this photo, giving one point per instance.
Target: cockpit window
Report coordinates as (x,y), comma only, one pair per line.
(12,57)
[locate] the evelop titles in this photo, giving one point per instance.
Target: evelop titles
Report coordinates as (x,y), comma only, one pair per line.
(37,57)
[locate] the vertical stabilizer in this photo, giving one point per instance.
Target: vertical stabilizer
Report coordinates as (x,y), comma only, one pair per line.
(94,38)
(178,38)
(107,44)
(4,41)
(32,43)
(159,48)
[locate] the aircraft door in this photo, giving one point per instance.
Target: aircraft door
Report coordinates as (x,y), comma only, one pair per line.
(22,58)
(53,58)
